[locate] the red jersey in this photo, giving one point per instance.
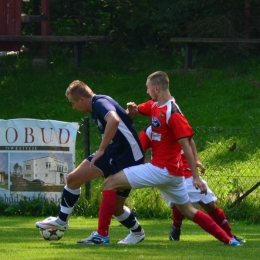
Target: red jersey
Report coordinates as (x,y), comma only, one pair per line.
(168,126)
(145,139)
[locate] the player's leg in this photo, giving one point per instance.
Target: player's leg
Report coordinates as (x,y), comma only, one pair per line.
(218,215)
(177,193)
(177,216)
(109,200)
(206,223)
(128,219)
(118,181)
(113,204)
(177,219)
(124,215)
(208,203)
(71,192)
(106,210)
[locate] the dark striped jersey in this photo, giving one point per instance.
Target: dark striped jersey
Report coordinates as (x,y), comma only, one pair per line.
(125,145)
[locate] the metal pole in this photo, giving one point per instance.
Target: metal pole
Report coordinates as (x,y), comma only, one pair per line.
(188,56)
(87,152)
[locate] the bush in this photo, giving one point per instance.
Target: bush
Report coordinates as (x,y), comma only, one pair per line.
(33,207)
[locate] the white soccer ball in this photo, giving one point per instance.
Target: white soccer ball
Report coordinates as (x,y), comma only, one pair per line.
(51,234)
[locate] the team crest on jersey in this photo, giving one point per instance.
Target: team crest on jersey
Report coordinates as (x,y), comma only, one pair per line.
(155,122)
(161,115)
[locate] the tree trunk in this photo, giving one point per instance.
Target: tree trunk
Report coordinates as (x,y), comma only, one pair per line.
(247,25)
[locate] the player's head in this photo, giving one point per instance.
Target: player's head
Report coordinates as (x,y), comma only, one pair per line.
(79,95)
(156,82)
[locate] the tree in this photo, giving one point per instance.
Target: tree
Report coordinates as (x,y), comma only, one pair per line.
(16,167)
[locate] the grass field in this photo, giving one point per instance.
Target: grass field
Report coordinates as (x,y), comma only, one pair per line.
(223,96)
(220,98)
(20,240)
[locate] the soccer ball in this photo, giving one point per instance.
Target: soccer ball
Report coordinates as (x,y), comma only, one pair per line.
(51,234)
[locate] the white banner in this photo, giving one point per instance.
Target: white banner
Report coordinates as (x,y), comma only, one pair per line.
(36,157)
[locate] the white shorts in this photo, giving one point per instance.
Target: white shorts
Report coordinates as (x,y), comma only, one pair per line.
(172,188)
(195,195)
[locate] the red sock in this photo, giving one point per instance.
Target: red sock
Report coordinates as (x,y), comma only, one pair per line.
(207,223)
(106,210)
(219,217)
(177,217)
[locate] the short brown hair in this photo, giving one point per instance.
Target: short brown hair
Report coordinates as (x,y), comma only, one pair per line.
(159,78)
(78,89)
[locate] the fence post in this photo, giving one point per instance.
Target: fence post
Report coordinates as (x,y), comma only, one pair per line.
(87,152)
(188,56)
(78,53)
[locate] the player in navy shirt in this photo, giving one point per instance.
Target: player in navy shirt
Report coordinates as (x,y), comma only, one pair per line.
(125,144)
(120,148)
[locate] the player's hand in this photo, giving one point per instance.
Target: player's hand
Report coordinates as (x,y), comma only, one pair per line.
(131,104)
(199,184)
(97,155)
(201,166)
(132,109)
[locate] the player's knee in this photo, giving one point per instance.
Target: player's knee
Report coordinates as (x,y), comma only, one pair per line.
(73,182)
(119,210)
(188,211)
(109,183)
(69,180)
(209,207)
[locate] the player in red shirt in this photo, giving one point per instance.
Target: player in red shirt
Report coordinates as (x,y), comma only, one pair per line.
(207,202)
(170,133)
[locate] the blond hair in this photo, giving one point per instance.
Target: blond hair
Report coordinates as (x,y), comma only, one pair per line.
(78,89)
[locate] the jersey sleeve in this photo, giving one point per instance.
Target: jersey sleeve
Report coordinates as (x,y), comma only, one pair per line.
(145,108)
(103,107)
(144,140)
(180,126)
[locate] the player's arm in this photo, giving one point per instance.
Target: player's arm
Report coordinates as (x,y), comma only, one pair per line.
(196,156)
(132,110)
(185,144)
(143,109)
(145,141)
(112,121)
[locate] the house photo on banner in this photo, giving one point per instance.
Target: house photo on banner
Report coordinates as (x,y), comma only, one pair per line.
(36,157)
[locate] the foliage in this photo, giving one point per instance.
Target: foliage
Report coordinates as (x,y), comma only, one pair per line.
(32,207)
(138,25)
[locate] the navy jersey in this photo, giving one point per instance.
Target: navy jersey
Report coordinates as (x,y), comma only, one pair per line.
(125,144)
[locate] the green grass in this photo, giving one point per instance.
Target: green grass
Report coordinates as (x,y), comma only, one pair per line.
(21,240)
(221,102)
(225,97)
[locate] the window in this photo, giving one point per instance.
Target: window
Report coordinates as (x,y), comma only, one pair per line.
(27,167)
(47,165)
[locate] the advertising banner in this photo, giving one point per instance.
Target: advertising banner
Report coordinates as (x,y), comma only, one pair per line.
(36,157)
